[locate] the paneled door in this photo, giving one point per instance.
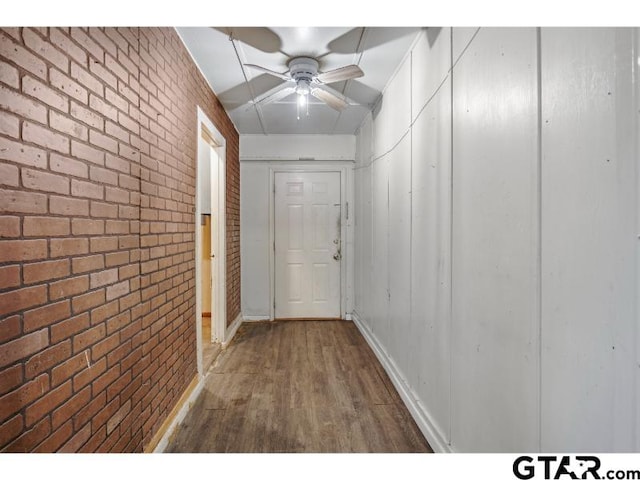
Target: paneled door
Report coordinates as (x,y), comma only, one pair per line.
(307,245)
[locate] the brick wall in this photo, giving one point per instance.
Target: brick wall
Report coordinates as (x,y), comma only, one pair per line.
(97,183)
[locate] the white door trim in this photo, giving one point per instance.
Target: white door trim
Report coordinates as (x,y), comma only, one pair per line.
(346,235)
(219,289)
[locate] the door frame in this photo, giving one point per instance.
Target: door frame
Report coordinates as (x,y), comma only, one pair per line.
(346,231)
(218,266)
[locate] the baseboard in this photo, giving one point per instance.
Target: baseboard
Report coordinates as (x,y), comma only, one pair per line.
(231,331)
(348,316)
(416,409)
(161,439)
(256,318)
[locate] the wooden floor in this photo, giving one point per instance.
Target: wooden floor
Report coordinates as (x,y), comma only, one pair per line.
(298,386)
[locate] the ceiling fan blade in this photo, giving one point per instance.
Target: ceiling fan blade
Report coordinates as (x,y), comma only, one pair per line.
(283,76)
(331,97)
(340,74)
(278,93)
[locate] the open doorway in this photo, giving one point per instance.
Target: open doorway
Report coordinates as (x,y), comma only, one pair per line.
(210,243)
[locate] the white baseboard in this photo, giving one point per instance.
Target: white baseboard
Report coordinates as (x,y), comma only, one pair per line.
(416,408)
(348,316)
(256,318)
(231,331)
(177,420)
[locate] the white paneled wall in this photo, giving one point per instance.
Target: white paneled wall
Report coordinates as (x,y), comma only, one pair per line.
(497,242)
(589,241)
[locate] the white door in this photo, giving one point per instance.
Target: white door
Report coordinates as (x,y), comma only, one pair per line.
(307,245)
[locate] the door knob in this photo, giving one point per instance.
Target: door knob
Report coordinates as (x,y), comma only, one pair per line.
(337,256)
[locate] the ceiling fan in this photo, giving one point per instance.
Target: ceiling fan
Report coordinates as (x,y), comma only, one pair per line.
(304,79)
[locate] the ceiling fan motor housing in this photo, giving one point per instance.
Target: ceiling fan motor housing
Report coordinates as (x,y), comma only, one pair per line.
(303,70)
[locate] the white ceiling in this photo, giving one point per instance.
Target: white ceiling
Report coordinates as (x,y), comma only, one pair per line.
(221,51)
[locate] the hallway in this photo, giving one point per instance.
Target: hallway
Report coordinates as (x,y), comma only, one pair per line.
(298,386)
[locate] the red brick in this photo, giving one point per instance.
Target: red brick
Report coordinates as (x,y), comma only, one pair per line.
(86,376)
(85,152)
(72,207)
(68,86)
(54,441)
(22,202)
(16,300)
(66,45)
(25,442)
(115,259)
(22,250)
(45,316)
(11,429)
(47,182)
(102,141)
(117,163)
(9,277)
(86,189)
(9,175)
(104,277)
(27,393)
(38,272)
(47,403)
(87,116)
(87,43)
(68,328)
(46,359)
(118,195)
(47,51)
(45,138)
(68,166)
(103,244)
(45,227)
(37,89)
(20,153)
(117,290)
(68,126)
(116,387)
(67,369)
(23,347)
(88,412)
(68,287)
(87,226)
(71,407)
(87,301)
(10,378)
(115,420)
(106,379)
(9,125)
(99,209)
(103,347)
(86,264)
(98,35)
(22,57)
(75,443)
(99,70)
(9,75)
(65,247)
(9,228)
(116,131)
(117,226)
(102,175)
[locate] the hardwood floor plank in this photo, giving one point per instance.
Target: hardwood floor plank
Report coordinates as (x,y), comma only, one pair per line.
(298,386)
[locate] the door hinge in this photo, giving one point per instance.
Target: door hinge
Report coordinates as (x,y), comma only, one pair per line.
(347,210)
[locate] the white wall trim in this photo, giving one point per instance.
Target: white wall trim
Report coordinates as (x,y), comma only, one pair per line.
(177,420)
(416,408)
(220,298)
(255,318)
(232,330)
